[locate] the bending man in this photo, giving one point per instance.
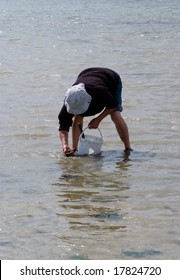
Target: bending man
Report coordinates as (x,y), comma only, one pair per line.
(96,91)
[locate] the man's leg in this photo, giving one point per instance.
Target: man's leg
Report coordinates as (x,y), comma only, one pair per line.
(76,131)
(122,128)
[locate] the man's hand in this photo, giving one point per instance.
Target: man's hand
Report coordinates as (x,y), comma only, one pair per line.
(94,123)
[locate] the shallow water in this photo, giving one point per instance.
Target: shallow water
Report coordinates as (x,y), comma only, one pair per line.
(103,207)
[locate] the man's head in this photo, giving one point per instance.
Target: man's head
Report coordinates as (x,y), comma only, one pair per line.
(77,100)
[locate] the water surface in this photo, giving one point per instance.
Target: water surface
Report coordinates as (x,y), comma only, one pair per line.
(103,207)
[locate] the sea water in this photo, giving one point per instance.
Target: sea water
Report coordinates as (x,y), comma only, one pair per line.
(102,207)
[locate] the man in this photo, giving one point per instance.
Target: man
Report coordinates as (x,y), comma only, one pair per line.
(97,90)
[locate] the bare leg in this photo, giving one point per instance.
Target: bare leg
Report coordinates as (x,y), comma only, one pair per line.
(122,128)
(64,139)
(76,131)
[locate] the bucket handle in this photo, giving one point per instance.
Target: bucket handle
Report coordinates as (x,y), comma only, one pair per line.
(82,135)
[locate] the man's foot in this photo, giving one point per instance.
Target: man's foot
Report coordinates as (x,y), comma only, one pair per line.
(70,152)
(128,151)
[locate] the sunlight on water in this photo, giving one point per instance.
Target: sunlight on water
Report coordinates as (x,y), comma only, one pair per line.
(108,206)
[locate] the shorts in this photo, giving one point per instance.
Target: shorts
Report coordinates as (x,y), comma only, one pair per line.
(119,98)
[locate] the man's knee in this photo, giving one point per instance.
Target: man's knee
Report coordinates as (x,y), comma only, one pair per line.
(115,116)
(78,119)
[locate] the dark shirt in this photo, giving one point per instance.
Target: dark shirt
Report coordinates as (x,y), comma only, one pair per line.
(101,84)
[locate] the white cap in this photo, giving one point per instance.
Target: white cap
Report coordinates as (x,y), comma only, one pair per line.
(77,100)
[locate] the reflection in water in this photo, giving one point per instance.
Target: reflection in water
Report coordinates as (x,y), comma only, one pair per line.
(90,198)
(93,190)
(94,198)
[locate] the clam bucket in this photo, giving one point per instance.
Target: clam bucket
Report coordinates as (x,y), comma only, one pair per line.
(90,144)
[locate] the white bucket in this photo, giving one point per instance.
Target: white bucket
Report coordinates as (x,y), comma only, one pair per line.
(90,144)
